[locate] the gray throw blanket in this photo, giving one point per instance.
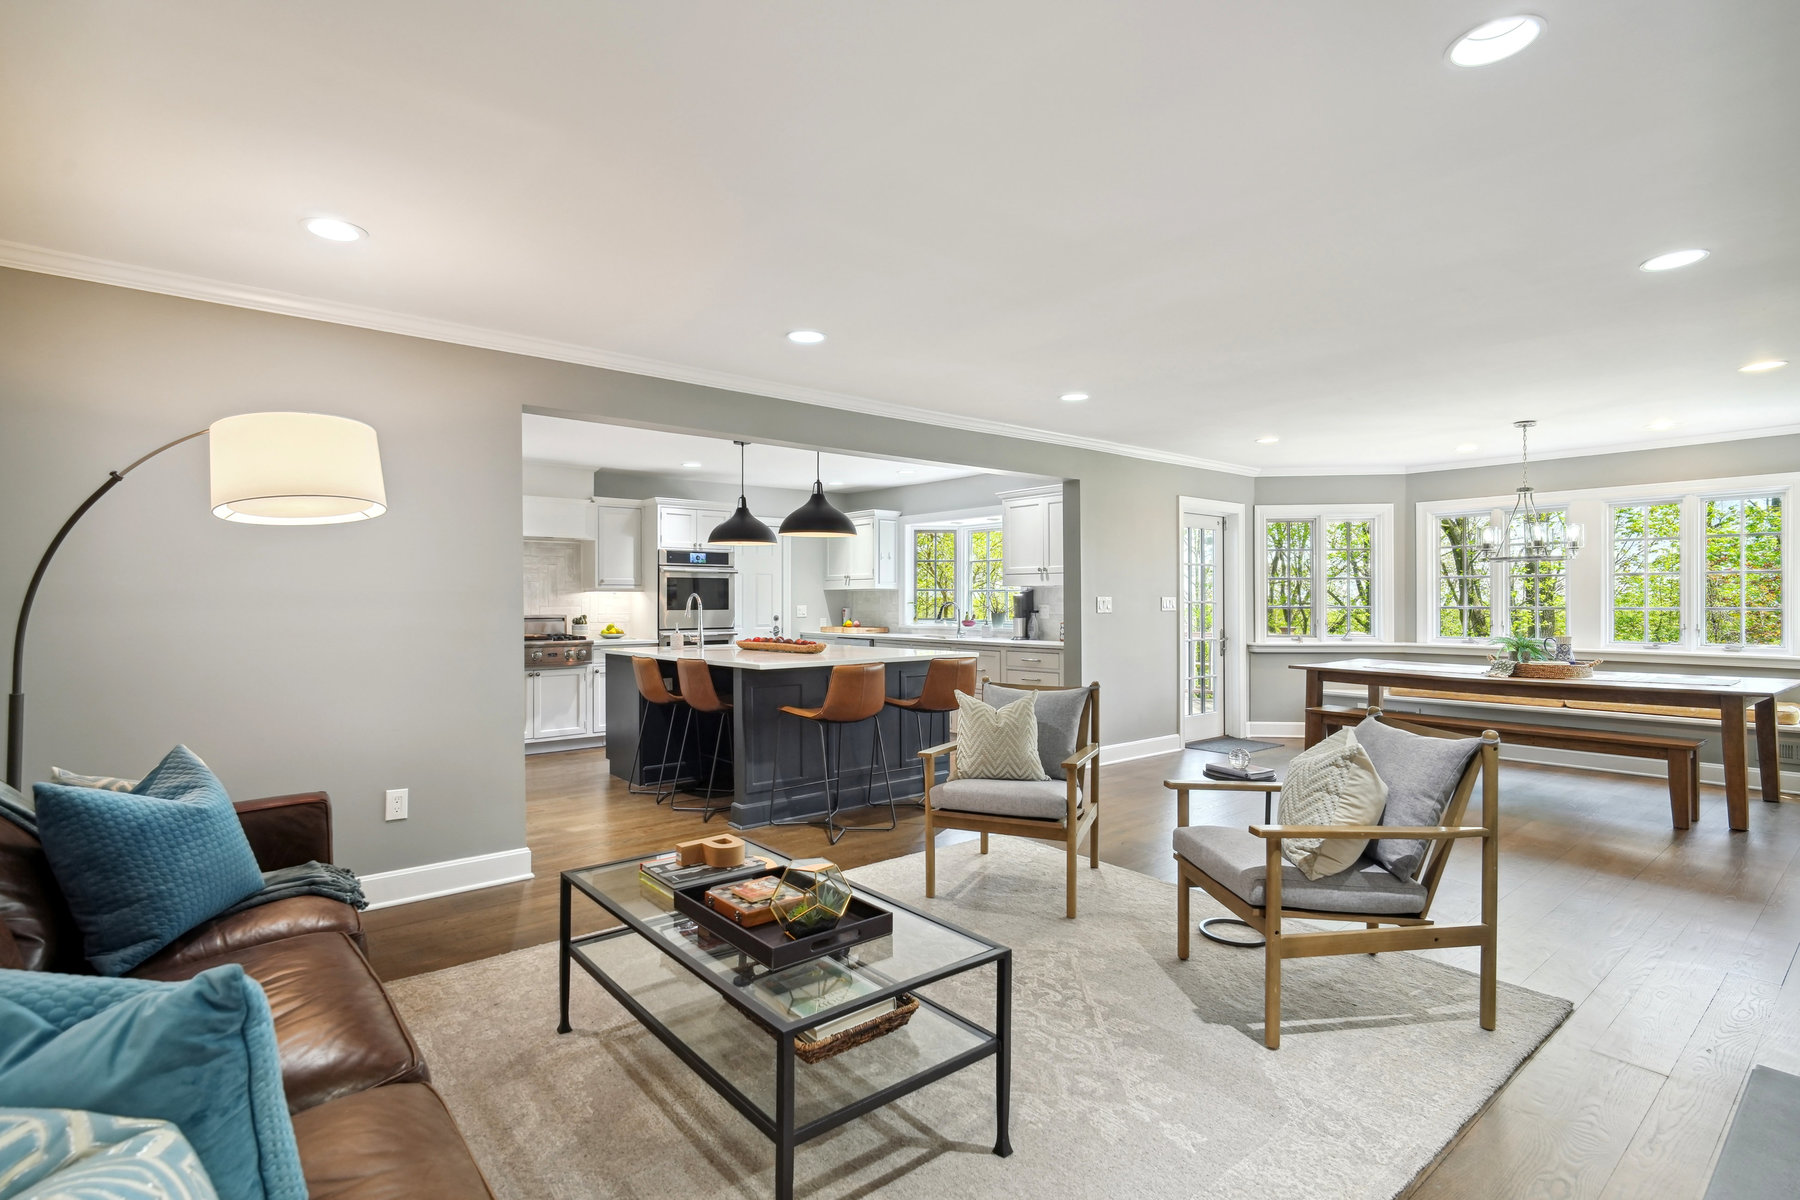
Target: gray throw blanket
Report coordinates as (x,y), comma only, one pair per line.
(307,879)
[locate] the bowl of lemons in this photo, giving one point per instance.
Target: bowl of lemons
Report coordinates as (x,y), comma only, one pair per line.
(612,632)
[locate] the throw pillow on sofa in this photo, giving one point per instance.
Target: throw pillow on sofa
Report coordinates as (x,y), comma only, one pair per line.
(996,743)
(1331,783)
(141,868)
(199,1054)
(62,1153)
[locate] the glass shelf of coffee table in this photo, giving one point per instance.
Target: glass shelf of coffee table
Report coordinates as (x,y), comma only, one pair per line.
(718,1011)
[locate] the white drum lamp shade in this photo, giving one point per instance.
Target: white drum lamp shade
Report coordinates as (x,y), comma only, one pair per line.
(291,468)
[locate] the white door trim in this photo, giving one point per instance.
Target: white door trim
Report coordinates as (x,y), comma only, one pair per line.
(1232,553)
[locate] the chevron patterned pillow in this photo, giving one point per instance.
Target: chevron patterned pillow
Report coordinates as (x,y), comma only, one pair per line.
(997,743)
(1331,783)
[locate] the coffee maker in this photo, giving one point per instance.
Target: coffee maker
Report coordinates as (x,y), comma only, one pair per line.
(1024,612)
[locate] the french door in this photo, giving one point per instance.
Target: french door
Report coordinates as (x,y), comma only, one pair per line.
(1202,626)
(761,588)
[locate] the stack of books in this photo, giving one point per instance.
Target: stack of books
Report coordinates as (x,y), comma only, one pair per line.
(825,987)
(749,902)
(658,877)
(1248,774)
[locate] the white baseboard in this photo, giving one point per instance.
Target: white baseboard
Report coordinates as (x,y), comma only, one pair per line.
(1118,752)
(1713,773)
(556,745)
(384,889)
(1274,729)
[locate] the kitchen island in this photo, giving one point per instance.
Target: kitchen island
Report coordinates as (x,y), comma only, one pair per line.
(759,683)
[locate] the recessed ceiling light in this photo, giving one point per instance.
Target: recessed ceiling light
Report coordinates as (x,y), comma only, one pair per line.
(334,230)
(1267,441)
(907,471)
(1663,424)
(834,483)
(1761,365)
(1467,448)
(805,337)
(1672,260)
(1498,39)
(692,466)
(1074,397)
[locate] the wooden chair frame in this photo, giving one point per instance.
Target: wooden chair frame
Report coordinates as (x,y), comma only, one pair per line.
(1080,819)
(1411,932)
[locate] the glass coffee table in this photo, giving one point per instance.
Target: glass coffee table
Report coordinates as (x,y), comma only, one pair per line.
(719,1012)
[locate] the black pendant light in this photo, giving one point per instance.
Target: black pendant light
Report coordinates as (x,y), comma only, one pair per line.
(816,518)
(740,528)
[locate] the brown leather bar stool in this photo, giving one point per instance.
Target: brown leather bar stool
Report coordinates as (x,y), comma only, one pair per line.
(857,692)
(652,690)
(697,690)
(943,679)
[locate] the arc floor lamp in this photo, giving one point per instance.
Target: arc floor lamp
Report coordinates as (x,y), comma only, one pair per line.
(269,468)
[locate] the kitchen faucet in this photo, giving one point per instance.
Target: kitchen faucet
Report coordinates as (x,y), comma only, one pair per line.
(699,619)
(946,610)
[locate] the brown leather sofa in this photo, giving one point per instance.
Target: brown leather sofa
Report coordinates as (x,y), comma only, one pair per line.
(369,1125)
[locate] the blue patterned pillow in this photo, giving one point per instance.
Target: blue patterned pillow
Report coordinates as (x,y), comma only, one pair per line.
(60,1152)
(141,868)
(200,1054)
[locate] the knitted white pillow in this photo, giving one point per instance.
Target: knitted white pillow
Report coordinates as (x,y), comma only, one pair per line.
(1332,783)
(997,743)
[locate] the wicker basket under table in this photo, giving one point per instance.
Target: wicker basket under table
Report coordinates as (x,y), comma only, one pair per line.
(856,1035)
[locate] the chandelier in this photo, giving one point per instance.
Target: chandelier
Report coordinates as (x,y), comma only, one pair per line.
(1526,537)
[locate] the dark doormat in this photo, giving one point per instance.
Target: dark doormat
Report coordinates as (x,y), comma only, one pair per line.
(1225,745)
(1760,1158)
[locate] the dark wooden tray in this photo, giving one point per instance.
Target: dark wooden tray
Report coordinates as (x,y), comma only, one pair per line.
(770,945)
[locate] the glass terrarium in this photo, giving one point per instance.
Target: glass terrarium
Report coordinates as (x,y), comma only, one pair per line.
(813,895)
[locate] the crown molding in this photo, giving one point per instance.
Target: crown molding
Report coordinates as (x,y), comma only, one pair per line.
(1668,443)
(214,291)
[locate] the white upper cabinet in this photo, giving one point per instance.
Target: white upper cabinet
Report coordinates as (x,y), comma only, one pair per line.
(686,526)
(558,517)
(1031,523)
(868,559)
(618,529)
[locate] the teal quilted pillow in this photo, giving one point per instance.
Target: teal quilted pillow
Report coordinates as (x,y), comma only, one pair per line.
(141,868)
(199,1054)
(62,1154)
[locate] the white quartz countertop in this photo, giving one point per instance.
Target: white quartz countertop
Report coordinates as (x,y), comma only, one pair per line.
(776,660)
(940,638)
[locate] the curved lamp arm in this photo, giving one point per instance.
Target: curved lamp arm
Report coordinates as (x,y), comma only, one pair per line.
(15,705)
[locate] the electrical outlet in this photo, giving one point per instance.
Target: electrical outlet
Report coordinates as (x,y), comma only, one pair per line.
(1102,604)
(396,804)
(799,612)
(1168,604)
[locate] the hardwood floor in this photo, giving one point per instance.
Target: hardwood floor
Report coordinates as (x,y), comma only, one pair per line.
(1677,949)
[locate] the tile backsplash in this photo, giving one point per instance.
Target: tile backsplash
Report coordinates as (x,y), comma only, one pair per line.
(553,587)
(885,607)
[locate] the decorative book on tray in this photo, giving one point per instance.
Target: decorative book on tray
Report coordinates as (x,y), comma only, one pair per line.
(1247,775)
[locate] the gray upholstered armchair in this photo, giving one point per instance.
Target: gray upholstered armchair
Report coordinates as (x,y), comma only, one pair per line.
(1243,869)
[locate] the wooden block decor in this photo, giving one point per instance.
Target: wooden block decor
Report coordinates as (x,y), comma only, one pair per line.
(720,850)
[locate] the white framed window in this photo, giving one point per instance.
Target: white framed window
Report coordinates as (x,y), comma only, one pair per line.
(1324,573)
(1699,566)
(955,568)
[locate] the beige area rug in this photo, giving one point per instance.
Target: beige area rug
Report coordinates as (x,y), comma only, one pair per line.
(1134,1074)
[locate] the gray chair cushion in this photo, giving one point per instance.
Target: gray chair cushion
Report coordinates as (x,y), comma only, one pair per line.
(1058,719)
(1421,773)
(1238,859)
(1043,799)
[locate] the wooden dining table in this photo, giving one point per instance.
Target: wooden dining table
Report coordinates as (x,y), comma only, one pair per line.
(1728,695)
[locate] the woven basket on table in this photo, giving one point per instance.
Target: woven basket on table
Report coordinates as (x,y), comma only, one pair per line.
(1581,669)
(856,1035)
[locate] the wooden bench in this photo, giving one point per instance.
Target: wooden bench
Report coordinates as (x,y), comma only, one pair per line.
(1681,754)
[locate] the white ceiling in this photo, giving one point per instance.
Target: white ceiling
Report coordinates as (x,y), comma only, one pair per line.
(624,448)
(1222,219)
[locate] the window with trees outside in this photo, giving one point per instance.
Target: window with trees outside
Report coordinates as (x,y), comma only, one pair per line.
(1696,567)
(1324,573)
(958,569)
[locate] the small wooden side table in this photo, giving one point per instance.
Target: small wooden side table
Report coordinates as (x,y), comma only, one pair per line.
(1181,788)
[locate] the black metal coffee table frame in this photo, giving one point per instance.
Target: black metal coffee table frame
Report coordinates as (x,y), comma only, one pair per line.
(782,1128)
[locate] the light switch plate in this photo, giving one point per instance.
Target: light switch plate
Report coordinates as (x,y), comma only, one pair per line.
(799,611)
(1168,604)
(1102,604)
(396,804)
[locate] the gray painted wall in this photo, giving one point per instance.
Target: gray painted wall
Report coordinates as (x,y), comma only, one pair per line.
(385,655)
(1275,690)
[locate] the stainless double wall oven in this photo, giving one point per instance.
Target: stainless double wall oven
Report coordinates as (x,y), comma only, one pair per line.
(708,574)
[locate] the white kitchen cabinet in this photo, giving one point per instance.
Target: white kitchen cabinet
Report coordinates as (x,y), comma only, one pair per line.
(558,517)
(1031,524)
(987,665)
(1030,665)
(686,526)
(869,559)
(557,703)
(618,527)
